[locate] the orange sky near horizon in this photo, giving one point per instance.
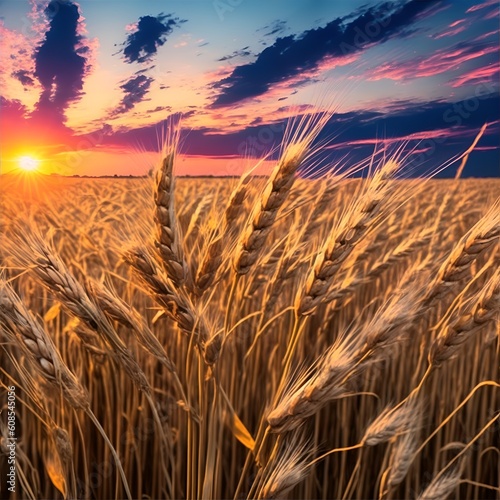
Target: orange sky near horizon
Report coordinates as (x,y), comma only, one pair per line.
(102,163)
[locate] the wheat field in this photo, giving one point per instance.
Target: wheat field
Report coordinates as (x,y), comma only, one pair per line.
(262,337)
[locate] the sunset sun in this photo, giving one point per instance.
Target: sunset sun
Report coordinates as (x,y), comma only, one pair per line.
(28,163)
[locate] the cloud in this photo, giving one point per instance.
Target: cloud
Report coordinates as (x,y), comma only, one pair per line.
(12,110)
(150,33)
(278,26)
(16,65)
(159,108)
(445,128)
(356,133)
(134,89)
(479,75)
(483,5)
(452,31)
(441,61)
(24,77)
(237,53)
(61,59)
(16,124)
(145,70)
(292,55)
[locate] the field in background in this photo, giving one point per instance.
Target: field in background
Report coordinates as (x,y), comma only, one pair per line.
(339,350)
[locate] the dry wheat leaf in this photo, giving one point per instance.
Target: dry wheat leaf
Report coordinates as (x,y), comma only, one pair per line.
(158,315)
(55,473)
(240,432)
(53,312)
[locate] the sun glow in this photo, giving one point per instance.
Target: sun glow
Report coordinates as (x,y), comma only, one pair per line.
(28,163)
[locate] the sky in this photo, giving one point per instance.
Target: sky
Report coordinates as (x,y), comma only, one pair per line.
(87,87)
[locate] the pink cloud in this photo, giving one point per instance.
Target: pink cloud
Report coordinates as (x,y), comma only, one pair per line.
(492,15)
(450,32)
(480,6)
(477,76)
(486,35)
(440,62)
(15,56)
(418,136)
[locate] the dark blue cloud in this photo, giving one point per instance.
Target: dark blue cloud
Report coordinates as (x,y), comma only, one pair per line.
(134,91)
(60,62)
(460,122)
(237,53)
(151,33)
(291,55)
(276,27)
(24,77)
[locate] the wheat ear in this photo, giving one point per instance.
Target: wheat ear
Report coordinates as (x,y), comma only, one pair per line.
(392,421)
(286,470)
(441,487)
(402,251)
(482,236)
(485,307)
(275,192)
(55,276)
(340,243)
(34,340)
(349,356)
(175,304)
(168,237)
(209,269)
(118,310)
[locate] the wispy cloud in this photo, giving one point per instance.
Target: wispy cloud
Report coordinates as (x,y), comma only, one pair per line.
(443,60)
(482,5)
(237,53)
(479,75)
(451,31)
(275,28)
(25,77)
(134,91)
(17,65)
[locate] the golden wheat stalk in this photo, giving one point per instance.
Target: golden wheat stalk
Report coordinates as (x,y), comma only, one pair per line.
(340,243)
(476,242)
(483,308)
(168,237)
(56,277)
(276,189)
(288,469)
(22,327)
(323,382)
(118,310)
(442,486)
(175,304)
(401,252)
(393,421)
(349,356)
(401,458)
(209,269)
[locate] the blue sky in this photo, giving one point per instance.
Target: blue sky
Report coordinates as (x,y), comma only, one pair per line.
(92,81)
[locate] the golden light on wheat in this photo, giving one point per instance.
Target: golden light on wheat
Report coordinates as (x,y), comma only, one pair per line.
(267,337)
